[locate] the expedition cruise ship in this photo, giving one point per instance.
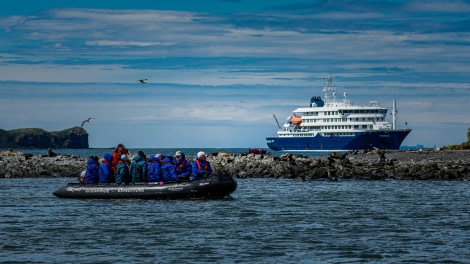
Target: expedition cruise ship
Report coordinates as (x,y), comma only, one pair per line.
(338,125)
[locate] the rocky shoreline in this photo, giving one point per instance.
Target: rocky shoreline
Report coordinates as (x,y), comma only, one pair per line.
(376,165)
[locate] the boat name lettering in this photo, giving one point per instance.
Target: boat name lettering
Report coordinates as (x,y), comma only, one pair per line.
(96,190)
(203,183)
(130,190)
(175,189)
(106,190)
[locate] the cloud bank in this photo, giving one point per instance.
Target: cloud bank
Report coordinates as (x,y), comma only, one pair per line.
(216,78)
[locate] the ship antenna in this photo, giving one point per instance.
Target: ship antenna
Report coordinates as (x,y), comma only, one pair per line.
(329,88)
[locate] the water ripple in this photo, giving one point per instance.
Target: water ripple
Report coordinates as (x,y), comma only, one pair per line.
(264,221)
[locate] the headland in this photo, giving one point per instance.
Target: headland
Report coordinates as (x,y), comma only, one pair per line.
(74,138)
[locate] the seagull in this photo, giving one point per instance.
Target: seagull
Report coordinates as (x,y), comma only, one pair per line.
(142,80)
(88,120)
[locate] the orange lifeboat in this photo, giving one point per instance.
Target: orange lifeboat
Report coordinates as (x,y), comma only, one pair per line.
(296,120)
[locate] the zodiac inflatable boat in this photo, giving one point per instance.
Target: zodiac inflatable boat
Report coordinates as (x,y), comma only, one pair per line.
(211,187)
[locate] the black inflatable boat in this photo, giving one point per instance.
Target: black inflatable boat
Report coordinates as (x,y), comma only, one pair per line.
(211,187)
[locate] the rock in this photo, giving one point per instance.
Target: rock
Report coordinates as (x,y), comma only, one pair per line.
(406,165)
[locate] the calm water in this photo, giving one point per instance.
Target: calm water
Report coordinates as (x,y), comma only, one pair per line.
(264,221)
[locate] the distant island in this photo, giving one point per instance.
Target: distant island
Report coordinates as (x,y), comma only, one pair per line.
(74,138)
(461,146)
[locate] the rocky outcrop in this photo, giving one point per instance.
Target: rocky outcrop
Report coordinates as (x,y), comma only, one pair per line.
(74,138)
(421,165)
(19,165)
(379,165)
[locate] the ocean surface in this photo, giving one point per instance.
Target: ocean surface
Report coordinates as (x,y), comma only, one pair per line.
(263,221)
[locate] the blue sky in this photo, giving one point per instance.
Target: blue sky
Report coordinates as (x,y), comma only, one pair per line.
(218,70)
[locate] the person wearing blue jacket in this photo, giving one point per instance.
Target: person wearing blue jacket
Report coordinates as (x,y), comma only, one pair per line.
(201,167)
(183,168)
(92,170)
(138,168)
(105,172)
(168,170)
(155,168)
(122,170)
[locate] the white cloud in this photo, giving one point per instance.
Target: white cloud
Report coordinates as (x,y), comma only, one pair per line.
(208,70)
(124,43)
(439,6)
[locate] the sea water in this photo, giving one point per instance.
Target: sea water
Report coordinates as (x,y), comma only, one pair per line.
(263,221)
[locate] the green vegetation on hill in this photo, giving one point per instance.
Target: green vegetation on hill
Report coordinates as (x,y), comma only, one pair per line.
(75,137)
(463,145)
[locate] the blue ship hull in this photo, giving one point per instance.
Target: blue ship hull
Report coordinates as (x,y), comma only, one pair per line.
(362,140)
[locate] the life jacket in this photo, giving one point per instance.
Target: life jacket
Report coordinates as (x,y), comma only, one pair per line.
(107,162)
(117,154)
(183,162)
(163,163)
(206,165)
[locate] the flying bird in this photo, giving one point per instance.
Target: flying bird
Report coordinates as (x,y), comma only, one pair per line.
(88,120)
(142,80)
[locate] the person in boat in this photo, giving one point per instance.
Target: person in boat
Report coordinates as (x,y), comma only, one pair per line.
(155,168)
(106,174)
(138,168)
(168,170)
(183,168)
(122,170)
(119,150)
(201,167)
(92,170)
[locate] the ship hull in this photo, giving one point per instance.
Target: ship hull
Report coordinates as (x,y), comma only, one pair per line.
(391,140)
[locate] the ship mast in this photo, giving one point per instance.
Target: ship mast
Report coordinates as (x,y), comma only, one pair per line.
(329,88)
(394,115)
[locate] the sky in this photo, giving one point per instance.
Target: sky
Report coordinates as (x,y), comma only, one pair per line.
(218,70)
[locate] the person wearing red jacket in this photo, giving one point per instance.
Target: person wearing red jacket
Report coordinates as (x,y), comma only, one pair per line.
(119,150)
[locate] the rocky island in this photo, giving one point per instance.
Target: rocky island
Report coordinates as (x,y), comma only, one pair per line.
(374,165)
(74,138)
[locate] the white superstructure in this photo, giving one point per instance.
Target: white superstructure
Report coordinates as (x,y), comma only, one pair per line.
(335,117)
